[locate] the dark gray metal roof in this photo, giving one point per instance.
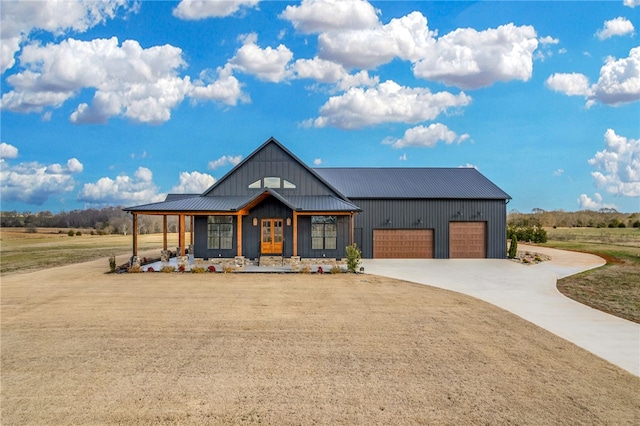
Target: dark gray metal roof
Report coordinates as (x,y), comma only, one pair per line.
(172,197)
(441,183)
(231,204)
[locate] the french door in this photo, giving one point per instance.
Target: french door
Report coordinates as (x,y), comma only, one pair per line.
(272,236)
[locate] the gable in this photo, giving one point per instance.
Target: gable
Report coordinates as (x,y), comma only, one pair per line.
(271,166)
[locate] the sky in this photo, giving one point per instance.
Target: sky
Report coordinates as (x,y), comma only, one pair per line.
(121,102)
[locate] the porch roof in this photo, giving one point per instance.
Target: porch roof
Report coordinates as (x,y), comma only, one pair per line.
(208,204)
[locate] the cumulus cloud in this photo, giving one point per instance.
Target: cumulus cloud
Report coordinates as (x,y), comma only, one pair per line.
(472,59)
(202,9)
(316,16)
(587,203)
(8,150)
(428,136)
(631,3)
(558,172)
(615,27)
(317,161)
(225,160)
(20,18)
(34,183)
(329,72)
(193,183)
(220,86)
(140,84)
(124,189)
(386,103)
(618,165)
(266,64)
(619,82)
(407,38)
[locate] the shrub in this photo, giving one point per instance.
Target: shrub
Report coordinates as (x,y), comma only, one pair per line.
(93,232)
(320,270)
(112,264)
(181,268)
(337,270)
(513,247)
(150,269)
(78,234)
(167,269)
(198,270)
(211,268)
(534,234)
(134,269)
(71,233)
(354,255)
(227,269)
(305,270)
(636,224)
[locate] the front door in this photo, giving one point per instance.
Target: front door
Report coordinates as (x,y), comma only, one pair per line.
(272,236)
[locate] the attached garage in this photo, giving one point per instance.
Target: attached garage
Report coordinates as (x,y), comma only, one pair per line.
(467,240)
(403,243)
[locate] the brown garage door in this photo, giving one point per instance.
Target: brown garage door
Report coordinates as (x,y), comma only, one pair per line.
(467,240)
(402,243)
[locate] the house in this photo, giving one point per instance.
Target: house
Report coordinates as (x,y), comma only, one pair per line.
(273,204)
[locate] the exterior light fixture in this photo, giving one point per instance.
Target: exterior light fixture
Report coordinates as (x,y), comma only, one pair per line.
(388,221)
(419,221)
(288,221)
(255,221)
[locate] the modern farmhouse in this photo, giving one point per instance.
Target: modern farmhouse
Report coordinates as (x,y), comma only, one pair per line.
(272,204)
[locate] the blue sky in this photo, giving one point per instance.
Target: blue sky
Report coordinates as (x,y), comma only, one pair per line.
(120,103)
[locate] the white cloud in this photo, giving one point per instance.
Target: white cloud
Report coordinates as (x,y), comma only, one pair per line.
(20,18)
(548,40)
(124,189)
(587,203)
(631,3)
(429,136)
(574,84)
(330,72)
(558,172)
(472,59)
(386,103)
(316,16)
(317,161)
(615,27)
(619,82)
(193,183)
(618,165)
(266,64)
(202,9)
(8,150)
(224,161)
(403,157)
(34,183)
(140,84)
(226,88)
(407,38)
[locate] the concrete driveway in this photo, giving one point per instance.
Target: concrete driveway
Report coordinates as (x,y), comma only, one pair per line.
(530,292)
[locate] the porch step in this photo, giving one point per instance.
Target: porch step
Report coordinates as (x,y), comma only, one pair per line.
(271,261)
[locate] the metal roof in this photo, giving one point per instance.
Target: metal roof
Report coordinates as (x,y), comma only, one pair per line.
(438,183)
(203,204)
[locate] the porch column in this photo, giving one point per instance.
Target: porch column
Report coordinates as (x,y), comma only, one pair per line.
(181,234)
(135,234)
(295,233)
(192,224)
(164,232)
(351,228)
(239,242)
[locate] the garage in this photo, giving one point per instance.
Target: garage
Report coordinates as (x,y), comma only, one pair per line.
(403,243)
(467,240)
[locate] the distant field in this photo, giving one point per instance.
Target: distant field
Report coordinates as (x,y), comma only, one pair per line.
(614,288)
(49,247)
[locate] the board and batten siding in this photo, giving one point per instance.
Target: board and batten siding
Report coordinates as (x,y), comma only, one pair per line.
(431,214)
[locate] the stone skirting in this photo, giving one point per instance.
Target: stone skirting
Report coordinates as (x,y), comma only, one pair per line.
(222,263)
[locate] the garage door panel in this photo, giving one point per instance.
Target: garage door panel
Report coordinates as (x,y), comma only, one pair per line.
(403,243)
(467,240)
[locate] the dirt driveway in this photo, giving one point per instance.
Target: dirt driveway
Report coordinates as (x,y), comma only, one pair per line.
(82,347)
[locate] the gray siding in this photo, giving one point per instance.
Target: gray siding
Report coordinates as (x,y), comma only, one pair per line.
(270,161)
(200,240)
(433,214)
(268,209)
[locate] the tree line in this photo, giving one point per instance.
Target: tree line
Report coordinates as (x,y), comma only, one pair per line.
(107,220)
(604,218)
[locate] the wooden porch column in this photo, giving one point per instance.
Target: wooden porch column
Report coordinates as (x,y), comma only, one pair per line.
(239,242)
(135,234)
(295,233)
(164,232)
(351,228)
(191,225)
(181,234)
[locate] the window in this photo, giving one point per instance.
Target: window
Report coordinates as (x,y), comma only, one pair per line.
(324,232)
(272,182)
(220,232)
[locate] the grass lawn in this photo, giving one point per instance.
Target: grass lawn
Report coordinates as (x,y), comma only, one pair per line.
(24,252)
(83,347)
(614,288)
